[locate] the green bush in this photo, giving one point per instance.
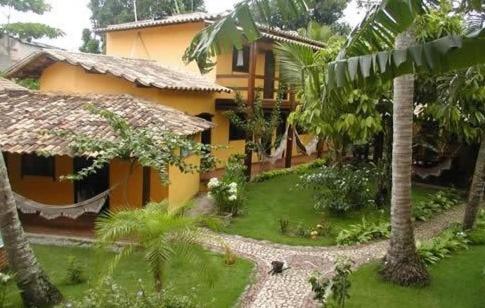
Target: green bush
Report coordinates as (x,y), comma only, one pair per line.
(111,295)
(229,192)
(477,235)
(341,189)
(74,272)
(4,282)
(333,291)
(363,233)
(300,169)
(436,203)
(444,245)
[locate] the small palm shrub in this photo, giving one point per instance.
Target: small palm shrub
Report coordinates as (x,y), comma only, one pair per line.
(229,192)
(436,203)
(74,272)
(363,233)
(159,233)
(335,291)
(341,189)
(444,245)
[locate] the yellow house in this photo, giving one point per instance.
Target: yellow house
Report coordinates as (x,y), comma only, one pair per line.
(29,122)
(144,60)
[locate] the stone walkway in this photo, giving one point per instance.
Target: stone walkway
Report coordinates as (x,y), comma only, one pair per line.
(291,289)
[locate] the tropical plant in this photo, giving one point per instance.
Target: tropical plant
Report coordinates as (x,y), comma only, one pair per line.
(341,189)
(445,244)
(4,282)
(74,272)
(159,233)
(35,288)
(227,196)
(109,294)
(256,123)
(436,203)
(363,233)
(157,150)
(335,291)
(27,30)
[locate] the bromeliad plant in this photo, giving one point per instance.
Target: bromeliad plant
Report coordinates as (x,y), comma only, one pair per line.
(157,150)
(159,233)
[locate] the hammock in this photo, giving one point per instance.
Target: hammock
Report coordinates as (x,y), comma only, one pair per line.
(74,211)
(437,170)
(308,149)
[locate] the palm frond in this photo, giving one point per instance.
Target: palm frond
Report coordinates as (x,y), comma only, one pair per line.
(237,28)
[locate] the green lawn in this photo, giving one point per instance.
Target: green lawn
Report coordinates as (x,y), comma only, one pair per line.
(458,281)
(183,278)
(279,198)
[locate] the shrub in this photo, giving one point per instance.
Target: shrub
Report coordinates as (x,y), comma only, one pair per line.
(110,295)
(336,289)
(477,235)
(229,256)
(341,189)
(229,193)
(74,272)
(4,282)
(437,203)
(284,225)
(363,233)
(300,169)
(447,243)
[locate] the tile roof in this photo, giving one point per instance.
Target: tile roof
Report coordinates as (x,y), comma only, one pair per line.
(271,33)
(7,85)
(142,72)
(27,119)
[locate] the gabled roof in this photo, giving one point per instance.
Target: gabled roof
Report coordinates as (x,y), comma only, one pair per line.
(271,33)
(142,72)
(28,119)
(7,85)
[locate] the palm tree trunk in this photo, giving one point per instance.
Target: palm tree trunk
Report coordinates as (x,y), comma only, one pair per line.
(157,276)
(35,288)
(402,264)
(476,189)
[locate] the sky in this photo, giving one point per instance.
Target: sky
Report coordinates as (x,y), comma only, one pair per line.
(71,16)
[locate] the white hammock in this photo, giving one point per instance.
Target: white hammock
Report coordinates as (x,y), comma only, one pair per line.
(437,170)
(308,149)
(93,205)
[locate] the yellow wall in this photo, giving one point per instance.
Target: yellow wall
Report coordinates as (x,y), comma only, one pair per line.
(42,189)
(165,44)
(56,192)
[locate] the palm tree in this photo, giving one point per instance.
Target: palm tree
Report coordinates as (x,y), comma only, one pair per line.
(368,55)
(159,233)
(475,194)
(35,288)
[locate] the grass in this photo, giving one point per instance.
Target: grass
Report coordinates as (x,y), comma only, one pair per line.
(458,281)
(278,198)
(180,277)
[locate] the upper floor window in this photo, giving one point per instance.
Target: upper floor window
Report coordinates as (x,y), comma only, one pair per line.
(240,60)
(35,165)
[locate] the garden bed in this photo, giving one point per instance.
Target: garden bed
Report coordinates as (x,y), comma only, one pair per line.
(278,198)
(209,289)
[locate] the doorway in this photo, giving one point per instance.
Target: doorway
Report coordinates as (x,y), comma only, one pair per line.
(93,184)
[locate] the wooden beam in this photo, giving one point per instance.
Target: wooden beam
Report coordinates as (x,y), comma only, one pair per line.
(291,133)
(253,54)
(146,186)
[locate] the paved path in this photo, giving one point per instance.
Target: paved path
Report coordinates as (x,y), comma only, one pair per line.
(291,289)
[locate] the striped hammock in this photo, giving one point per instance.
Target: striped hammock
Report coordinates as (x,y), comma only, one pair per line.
(73,211)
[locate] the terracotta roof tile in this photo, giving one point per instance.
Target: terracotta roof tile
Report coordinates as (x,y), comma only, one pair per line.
(271,33)
(7,85)
(26,118)
(143,72)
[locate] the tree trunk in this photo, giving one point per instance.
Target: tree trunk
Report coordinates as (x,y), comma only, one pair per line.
(402,264)
(476,189)
(35,288)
